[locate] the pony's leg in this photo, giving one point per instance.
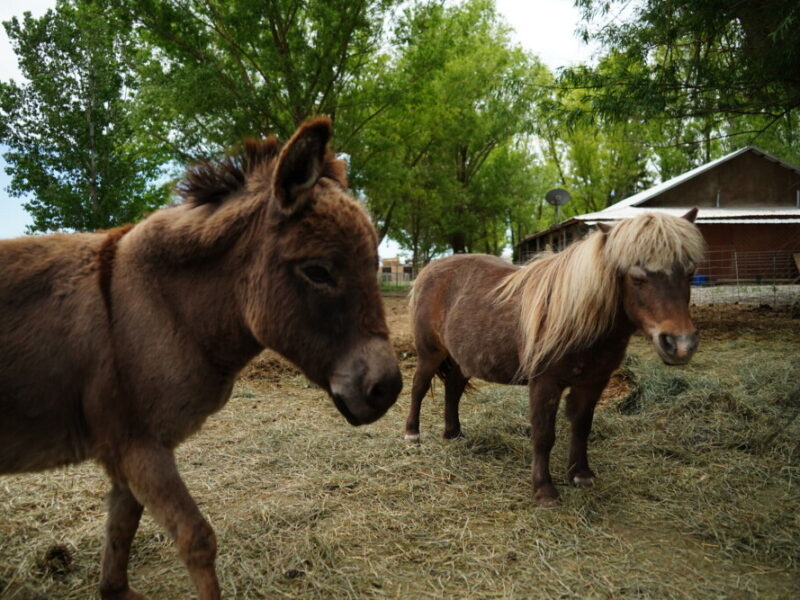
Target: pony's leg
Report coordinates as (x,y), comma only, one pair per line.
(154,480)
(454,385)
(426,369)
(544,396)
(580,410)
(124,513)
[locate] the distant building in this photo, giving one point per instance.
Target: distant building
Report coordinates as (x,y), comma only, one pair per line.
(394,271)
(749,214)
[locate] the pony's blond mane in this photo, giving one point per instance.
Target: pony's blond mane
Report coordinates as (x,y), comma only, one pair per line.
(569,299)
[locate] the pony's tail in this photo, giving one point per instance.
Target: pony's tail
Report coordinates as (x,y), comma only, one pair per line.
(412,303)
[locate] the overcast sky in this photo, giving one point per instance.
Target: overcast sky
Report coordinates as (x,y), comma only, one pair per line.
(545,27)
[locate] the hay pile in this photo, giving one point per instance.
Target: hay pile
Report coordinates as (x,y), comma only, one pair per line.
(697,493)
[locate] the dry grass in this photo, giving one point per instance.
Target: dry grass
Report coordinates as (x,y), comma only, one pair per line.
(697,494)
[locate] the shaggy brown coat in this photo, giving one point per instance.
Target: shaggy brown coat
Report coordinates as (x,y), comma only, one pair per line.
(563,321)
(117,346)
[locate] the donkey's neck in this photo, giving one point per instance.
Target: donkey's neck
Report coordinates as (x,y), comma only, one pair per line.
(199,264)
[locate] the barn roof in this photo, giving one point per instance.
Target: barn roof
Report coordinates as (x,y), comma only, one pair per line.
(629,207)
(632,205)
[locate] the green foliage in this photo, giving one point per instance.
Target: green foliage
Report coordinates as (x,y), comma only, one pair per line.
(729,68)
(467,104)
(74,144)
(216,71)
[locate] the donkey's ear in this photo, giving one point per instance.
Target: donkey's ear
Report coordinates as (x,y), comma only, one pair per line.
(300,164)
(691,215)
(604,227)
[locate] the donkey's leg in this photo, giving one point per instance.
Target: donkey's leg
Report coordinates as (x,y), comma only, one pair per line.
(124,513)
(426,369)
(454,385)
(580,410)
(154,480)
(545,394)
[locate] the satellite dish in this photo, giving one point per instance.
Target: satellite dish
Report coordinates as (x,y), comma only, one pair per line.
(558,197)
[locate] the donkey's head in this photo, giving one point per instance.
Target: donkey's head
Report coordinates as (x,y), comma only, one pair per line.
(655,255)
(315,298)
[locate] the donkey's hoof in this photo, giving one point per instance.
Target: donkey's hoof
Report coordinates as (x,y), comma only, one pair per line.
(412,438)
(583,480)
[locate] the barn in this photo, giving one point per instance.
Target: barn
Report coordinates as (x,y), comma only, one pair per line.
(749,214)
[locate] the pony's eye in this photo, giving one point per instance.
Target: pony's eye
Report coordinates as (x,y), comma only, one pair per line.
(638,275)
(319,275)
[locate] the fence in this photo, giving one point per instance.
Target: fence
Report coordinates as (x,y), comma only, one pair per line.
(396,278)
(724,277)
(758,277)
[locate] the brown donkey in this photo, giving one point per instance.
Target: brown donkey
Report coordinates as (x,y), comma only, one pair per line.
(561,321)
(116,347)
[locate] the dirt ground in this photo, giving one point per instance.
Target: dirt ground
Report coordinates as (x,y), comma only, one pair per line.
(697,492)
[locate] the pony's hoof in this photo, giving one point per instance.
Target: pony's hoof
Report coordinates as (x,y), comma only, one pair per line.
(546,502)
(412,438)
(126,594)
(583,480)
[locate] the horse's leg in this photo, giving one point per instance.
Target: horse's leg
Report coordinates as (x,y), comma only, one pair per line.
(454,385)
(544,395)
(426,369)
(124,513)
(580,410)
(154,480)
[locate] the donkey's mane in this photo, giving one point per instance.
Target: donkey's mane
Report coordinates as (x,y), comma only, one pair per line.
(569,299)
(213,180)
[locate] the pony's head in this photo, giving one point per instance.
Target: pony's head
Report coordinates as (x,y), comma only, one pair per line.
(309,288)
(655,257)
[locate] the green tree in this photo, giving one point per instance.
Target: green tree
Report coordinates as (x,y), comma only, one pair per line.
(712,60)
(467,94)
(215,71)
(74,146)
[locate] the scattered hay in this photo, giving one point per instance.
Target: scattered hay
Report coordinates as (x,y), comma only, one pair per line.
(697,493)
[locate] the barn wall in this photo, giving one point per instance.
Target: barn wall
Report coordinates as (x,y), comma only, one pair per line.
(747,180)
(750,238)
(750,252)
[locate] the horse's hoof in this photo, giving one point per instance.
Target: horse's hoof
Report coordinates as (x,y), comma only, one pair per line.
(546,502)
(126,594)
(583,480)
(412,438)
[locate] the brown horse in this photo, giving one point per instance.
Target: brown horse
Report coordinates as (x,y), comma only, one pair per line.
(561,321)
(117,346)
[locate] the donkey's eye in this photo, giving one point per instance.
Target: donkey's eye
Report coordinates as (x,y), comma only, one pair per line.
(319,275)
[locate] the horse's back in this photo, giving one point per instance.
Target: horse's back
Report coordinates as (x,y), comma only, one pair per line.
(49,304)
(455,310)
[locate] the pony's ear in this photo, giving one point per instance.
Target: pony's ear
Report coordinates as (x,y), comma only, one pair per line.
(604,227)
(300,164)
(691,215)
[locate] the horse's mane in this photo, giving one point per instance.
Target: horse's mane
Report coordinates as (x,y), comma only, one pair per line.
(213,180)
(569,299)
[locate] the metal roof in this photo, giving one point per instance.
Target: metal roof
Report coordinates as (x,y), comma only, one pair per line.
(631,206)
(776,214)
(662,187)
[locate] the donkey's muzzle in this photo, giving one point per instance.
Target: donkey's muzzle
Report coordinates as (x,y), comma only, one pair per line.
(676,349)
(366,382)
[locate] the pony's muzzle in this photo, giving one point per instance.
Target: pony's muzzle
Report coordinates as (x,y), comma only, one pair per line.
(366,381)
(676,349)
